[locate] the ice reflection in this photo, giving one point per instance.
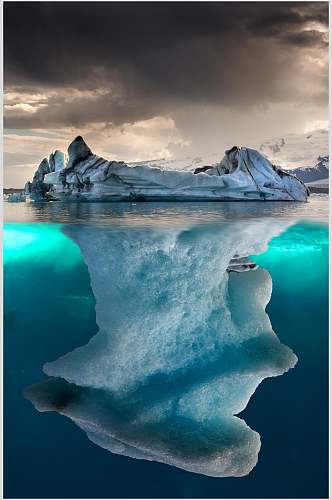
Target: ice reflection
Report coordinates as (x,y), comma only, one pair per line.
(165,213)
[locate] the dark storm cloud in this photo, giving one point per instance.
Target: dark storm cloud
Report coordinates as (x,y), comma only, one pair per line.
(308,38)
(151,58)
(278,18)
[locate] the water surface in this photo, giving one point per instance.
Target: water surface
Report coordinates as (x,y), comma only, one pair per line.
(50,310)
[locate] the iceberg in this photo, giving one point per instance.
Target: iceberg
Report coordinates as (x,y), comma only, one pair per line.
(184,341)
(243,174)
(15,197)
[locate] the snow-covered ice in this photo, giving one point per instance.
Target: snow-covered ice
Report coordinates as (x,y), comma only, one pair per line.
(243,174)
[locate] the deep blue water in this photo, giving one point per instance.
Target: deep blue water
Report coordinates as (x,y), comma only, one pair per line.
(49,310)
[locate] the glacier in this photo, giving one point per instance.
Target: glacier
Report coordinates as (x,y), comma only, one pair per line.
(243,174)
(184,341)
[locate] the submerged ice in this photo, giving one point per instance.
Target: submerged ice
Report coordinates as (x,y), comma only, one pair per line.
(183,343)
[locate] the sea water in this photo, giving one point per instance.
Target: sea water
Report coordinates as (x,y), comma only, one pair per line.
(54,288)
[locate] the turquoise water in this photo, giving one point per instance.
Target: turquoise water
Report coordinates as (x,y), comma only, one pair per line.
(49,310)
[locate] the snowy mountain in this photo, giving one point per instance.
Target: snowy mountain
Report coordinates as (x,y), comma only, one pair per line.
(306,155)
(311,174)
(297,150)
(186,163)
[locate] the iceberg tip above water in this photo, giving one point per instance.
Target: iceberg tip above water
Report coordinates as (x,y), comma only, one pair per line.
(243,174)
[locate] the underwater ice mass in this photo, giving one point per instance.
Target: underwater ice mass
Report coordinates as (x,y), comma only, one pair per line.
(183,343)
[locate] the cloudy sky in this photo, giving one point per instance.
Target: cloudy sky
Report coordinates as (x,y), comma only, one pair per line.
(159,80)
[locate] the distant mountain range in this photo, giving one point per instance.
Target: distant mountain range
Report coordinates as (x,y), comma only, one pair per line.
(187,163)
(297,150)
(305,155)
(316,173)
